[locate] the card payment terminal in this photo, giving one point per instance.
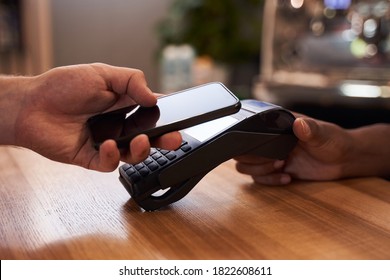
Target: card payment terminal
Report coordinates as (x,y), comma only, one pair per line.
(165,177)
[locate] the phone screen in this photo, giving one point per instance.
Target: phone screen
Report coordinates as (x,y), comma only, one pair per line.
(172,112)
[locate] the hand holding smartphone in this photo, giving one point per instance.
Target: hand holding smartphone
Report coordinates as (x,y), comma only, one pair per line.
(172,112)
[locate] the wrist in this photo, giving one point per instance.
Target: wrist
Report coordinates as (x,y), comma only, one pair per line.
(369,154)
(13,91)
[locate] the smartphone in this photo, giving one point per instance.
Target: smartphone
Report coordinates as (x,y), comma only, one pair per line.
(172,112)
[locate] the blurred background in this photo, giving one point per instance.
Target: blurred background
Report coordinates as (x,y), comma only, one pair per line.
(326,58)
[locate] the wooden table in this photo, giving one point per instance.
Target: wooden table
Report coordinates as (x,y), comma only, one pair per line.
(55,211)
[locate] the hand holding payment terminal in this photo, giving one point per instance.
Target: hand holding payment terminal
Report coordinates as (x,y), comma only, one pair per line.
(167,176)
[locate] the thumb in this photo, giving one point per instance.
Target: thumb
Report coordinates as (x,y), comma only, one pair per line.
(310,131)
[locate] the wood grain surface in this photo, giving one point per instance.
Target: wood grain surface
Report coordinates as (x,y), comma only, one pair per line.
(55,211)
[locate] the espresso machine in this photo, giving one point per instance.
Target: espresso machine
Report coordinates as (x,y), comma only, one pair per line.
(327,58)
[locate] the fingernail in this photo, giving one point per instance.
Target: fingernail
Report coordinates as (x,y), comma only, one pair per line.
(305,127)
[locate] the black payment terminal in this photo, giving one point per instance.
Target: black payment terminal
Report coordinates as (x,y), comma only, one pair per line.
(165,177)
